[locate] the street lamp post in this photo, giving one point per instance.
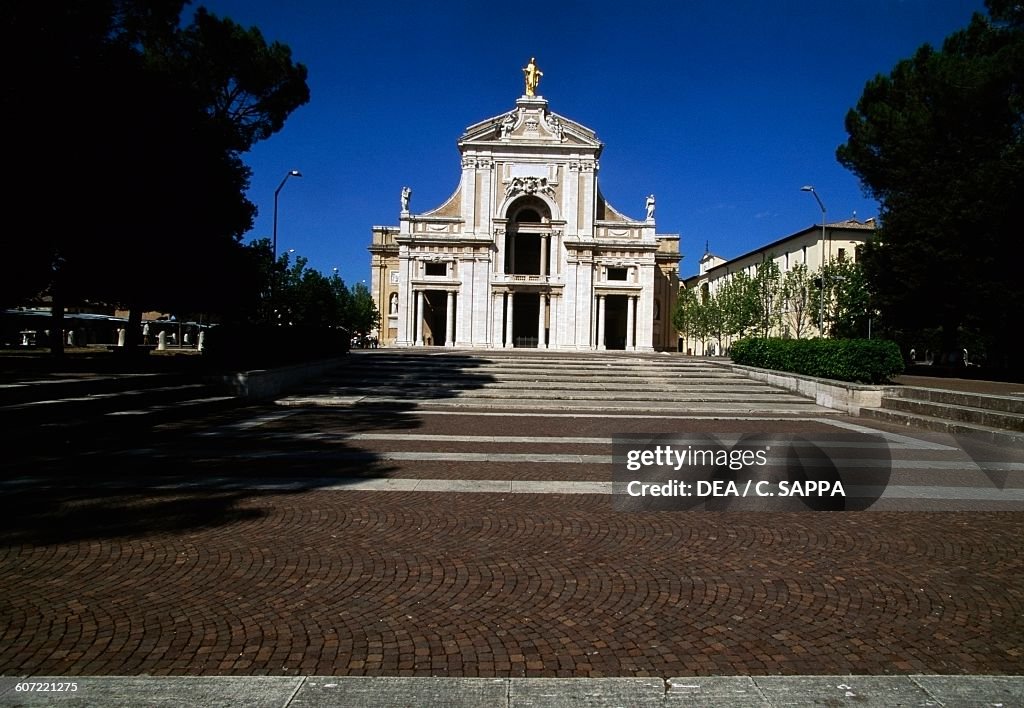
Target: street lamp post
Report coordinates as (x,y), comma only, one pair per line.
(821,262)
(291,173)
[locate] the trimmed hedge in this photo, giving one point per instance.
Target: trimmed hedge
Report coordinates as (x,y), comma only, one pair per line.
(870,361)
(263,346)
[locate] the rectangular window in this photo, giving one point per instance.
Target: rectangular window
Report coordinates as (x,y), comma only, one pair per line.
(618,273)
(436,269)
(842,254)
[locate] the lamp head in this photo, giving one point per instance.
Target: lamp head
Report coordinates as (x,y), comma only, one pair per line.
(295,173)
(807,188)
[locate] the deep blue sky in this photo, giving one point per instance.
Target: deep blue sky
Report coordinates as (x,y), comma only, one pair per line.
(722,109)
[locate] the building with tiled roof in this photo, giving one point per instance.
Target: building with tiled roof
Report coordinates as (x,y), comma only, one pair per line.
(809,246)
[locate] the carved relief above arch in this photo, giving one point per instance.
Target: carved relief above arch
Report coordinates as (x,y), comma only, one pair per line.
(540,203)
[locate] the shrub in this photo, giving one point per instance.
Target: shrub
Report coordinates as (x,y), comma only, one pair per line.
(263,346)
(858,360)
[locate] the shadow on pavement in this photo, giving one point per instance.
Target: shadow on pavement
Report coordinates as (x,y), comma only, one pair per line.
(107,480)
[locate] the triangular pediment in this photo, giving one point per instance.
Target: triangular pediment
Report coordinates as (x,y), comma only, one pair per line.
(530,122)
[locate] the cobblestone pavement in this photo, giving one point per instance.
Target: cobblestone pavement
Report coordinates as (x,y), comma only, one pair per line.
(232,580)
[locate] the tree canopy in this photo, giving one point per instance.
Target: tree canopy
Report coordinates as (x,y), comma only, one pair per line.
(127,133)
(292,293)
(939,142)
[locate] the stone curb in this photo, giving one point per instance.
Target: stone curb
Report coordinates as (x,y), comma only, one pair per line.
(838,395)
(262,384)
(710,691)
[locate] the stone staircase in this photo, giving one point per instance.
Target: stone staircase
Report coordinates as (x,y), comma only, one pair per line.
(115,402)
(999,418)
(548,381)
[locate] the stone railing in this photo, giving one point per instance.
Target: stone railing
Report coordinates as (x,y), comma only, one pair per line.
(519,278)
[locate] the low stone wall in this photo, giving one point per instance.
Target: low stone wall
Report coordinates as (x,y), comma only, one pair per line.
(261,384)
(839,395)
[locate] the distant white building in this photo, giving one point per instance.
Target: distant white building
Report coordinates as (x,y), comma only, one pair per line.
(840,242)
(526,252)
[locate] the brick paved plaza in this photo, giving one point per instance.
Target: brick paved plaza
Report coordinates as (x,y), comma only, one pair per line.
(245,544)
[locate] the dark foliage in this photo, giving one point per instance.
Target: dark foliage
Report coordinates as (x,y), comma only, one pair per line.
(263,346)
(940,143)
(126,151)
(858,360)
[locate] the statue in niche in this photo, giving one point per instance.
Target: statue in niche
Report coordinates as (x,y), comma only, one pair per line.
(532,74)
(393,304)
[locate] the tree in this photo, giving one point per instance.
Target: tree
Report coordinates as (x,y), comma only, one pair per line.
(940,143)
(686,313)
(796,296)
(293,294)
(851,301)
(363,316)
(768,288)
(247,87)
(738,299)
(139,191)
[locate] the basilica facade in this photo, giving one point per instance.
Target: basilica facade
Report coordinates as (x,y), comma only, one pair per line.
(526,253)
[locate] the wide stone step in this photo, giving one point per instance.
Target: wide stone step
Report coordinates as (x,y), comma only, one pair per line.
(71,386)
(429,369)
(576,394)
(186,407)
(555,370)
(614,396)
(542,381)
(944,425)
(412,379)
(50,409)
(56,434)
(635,406)
(776,406)
(963,414)
(417,388)
(1006,404)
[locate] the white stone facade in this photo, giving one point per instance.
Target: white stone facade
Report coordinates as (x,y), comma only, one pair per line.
(526,252)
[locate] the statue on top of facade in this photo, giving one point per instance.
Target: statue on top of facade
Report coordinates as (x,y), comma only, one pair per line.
(556,126)
(533,75)
(509,124)
(406,193)
(650,206)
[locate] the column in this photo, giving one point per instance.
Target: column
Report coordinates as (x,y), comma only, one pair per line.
(645,310)
(418,322)
(480,310)
(405,303)
(630,317)
(600,322)
(449,320)
(544,254)
(497,308)
(499,254)
(553,324)
(508,322)
(541,343)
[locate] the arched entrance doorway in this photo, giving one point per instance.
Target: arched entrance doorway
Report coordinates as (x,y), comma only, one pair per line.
(527,264)
(527,239)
